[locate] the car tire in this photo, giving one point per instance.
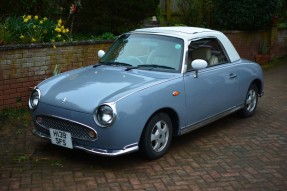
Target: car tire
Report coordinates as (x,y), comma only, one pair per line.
(251,101)
(156,137)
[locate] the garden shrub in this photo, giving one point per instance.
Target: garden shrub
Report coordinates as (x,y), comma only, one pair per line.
(245,14)
(282,13)
(196,12)
(113,16)
(53,9)
(230,14)
(32,29)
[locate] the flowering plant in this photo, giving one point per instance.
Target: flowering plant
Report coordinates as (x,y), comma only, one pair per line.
(34,29)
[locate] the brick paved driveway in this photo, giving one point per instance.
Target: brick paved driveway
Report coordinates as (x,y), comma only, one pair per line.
(230,154)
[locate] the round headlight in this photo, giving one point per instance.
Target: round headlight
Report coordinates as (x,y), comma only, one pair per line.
(104,116)
(34,99)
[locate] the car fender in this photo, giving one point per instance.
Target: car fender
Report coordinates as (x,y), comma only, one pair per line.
(134,111)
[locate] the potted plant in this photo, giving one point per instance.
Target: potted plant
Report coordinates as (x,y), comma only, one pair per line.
(263,55)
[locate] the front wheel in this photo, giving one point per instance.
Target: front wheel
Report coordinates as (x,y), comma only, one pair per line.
(156,136)
(251,101)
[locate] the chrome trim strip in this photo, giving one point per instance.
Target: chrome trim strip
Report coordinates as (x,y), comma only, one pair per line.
(39,134)
(127,149)
(204,122)
(61,118)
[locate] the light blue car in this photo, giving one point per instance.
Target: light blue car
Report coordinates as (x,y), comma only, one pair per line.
(151,85)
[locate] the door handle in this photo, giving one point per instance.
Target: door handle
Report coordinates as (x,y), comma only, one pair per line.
(231,76)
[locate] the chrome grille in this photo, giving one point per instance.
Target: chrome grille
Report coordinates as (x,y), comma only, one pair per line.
(77,130)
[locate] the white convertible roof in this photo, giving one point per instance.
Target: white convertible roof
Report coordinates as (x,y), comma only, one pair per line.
(189,33)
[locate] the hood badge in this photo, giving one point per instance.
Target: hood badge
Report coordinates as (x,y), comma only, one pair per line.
(64,100)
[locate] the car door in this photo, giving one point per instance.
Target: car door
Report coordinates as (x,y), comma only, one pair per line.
(213,92)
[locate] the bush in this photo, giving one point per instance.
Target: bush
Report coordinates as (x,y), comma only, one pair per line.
(96,17)
(245,14)
(114,16)
(196,12)
(32,29)
(52,9)
(282,13)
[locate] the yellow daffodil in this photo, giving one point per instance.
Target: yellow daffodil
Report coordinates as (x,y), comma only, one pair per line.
(26,20)
(41,22)
(23,16)
(62,27)
(60,21)
(34,26)
(57,29)
(33,40)
(53,40)
(54,46)
(45,18)
(22,36)
(36,17)
(29,17)
(59,36)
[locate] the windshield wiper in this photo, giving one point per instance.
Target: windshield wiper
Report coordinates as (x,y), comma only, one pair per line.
(132,67)
(152,66)
(149,66)
(112,64)
(99,64)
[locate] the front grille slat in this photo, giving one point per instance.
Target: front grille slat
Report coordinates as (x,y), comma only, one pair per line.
(77,130)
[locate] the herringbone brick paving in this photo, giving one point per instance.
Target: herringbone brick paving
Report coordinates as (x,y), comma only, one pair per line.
(230,154)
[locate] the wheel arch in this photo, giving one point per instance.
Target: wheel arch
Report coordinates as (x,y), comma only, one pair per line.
(259,86)
(173,117)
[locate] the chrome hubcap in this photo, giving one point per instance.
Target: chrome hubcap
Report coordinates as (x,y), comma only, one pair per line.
(159,136)
(251,100)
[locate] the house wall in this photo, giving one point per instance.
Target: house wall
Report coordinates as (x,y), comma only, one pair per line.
(24,66)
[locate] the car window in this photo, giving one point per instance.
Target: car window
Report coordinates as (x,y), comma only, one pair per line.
(147,52)
(208,49)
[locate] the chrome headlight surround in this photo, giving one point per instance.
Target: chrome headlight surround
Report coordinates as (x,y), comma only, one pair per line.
(34,99)
(105,114)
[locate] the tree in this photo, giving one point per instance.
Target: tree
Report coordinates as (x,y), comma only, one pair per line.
(113,15)
(196,12)
(244,14)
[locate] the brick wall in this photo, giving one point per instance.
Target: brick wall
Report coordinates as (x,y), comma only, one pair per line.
(248,43)
(25,66)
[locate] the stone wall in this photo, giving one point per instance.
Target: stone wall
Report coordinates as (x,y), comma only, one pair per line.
(24,66)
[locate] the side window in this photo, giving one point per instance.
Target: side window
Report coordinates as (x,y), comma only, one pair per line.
(208,49)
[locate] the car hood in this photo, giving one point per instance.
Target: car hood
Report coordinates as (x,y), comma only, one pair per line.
(85,88)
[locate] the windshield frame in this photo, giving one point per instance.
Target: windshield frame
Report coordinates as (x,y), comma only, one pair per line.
(112,58)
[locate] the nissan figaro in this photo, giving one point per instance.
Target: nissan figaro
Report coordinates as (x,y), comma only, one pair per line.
(151,85)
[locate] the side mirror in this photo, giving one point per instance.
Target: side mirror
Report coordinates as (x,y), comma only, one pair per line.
(101,53)
(197,65)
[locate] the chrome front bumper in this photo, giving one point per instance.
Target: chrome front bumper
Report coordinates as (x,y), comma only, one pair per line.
(127,149)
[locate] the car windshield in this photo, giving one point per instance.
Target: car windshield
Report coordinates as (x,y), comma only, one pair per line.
(147,52)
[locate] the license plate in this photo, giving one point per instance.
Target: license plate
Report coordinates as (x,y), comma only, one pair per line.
(61,138)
